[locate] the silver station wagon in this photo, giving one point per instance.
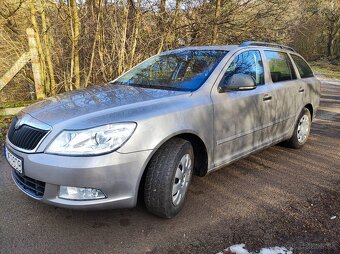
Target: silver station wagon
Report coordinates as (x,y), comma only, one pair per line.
(183,112)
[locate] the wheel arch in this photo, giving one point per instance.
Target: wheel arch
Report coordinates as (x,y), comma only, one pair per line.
(200,160)
(309,106)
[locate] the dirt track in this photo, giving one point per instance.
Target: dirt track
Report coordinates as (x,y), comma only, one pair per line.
(278,197)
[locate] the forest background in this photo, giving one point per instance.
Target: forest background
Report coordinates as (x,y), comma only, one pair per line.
(86,42)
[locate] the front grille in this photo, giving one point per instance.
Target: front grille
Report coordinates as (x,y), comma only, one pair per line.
(28,185)
(25,137)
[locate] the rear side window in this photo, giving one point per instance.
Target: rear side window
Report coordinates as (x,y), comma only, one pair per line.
(248,62)
(281,68)
(303,68)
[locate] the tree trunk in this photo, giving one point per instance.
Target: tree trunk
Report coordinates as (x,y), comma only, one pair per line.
(39,48)
(135,34)
(76,28)
(216,19)
(161,24)
(69,87)
(47,46)
(96,37)
(36,68)
(121,54)
(175,22)
(329,45)
(172,33)
(101,49)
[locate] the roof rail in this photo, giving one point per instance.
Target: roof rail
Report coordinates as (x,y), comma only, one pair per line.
(260,43)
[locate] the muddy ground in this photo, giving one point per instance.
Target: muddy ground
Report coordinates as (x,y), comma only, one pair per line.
(277,197)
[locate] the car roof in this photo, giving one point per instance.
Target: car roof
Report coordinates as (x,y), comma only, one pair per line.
(244,45)
(220,47)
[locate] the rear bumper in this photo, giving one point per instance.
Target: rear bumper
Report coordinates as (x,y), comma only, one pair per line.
(115,174)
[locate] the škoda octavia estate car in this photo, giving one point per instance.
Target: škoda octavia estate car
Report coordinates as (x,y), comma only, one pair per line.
(183,112)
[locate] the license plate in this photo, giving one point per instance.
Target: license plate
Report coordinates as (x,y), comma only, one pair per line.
(14,161)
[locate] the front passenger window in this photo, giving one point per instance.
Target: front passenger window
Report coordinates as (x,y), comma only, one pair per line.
(248,62)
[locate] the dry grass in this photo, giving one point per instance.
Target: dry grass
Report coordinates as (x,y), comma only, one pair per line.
(16,104)
(4,123)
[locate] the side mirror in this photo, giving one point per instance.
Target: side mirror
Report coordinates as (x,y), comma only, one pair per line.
(237,82)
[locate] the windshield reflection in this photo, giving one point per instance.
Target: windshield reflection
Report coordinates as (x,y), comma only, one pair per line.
(185,70)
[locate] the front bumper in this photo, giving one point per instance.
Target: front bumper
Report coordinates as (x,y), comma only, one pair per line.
(116,174)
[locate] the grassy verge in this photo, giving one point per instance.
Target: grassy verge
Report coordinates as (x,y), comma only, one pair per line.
(326,69)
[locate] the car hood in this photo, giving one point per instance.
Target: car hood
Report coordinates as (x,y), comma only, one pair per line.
(92,99)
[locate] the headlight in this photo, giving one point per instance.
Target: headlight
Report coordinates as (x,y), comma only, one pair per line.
(94,141)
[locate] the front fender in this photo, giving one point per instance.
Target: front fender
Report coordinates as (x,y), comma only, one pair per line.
(194,116)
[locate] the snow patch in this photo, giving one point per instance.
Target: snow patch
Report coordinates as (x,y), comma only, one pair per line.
(276,250)
(241,249)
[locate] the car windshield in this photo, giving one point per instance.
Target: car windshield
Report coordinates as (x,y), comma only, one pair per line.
(185,70)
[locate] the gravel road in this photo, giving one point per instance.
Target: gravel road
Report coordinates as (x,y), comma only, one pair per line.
(277,197)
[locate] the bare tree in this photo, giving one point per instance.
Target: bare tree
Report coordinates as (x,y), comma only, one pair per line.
(121,54)
(216,20)
(135,32)
(75,41)
(39,46)
(331,12)
(81,43)
(47,37)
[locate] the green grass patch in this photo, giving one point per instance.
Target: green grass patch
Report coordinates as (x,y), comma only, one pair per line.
(326,69)
(326,72)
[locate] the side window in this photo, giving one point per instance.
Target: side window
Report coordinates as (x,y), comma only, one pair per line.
(303,68)
(281,68)
(248,62)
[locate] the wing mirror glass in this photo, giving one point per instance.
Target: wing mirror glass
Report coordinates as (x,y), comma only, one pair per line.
(237,82)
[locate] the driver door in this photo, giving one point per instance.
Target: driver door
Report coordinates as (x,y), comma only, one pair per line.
(241,117)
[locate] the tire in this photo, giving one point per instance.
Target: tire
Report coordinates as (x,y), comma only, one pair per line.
(299,138)
(163,177)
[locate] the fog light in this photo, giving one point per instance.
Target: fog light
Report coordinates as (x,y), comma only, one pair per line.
(74,193)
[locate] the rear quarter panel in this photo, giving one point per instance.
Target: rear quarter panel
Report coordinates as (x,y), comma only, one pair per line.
(312,93)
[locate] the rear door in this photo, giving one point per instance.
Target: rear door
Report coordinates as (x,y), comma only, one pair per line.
(285,90)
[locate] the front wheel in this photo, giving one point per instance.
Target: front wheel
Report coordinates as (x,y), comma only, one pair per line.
(301,131)
(168,177)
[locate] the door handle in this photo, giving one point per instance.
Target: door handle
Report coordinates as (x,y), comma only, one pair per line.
(301,90)
(267,97)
